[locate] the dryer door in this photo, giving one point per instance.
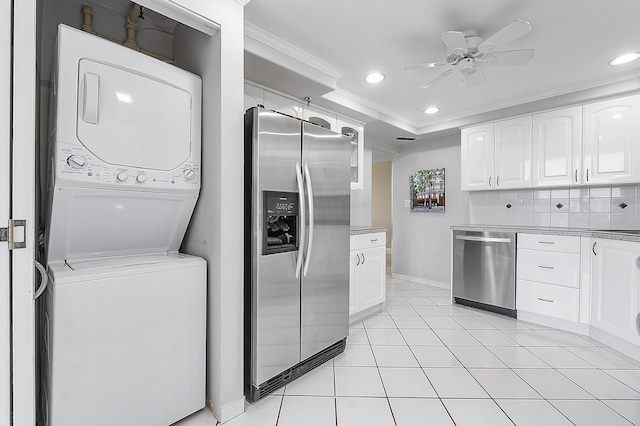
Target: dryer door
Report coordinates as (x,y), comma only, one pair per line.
(126,118)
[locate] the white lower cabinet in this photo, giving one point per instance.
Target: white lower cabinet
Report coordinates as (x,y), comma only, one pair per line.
(548,276)
(615,282)
(367,274)
(548,299)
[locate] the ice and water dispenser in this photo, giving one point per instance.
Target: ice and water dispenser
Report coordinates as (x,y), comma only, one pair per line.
(280,227)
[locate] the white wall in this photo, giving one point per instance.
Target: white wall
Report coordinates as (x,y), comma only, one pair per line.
(216,229)
(422,241)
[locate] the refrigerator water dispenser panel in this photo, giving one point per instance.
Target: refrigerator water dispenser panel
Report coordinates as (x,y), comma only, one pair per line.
(280,227)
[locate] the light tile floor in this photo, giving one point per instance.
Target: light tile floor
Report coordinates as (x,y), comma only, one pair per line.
(423,361)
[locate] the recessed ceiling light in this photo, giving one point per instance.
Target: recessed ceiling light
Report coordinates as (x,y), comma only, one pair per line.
(374,77)
(431,110)
(624,59)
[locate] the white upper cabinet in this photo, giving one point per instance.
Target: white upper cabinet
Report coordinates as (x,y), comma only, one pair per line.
(557,148)
(282,104)
(513,153)
(317,116)
(355,132)
(611,142)
(477,157)
(497,156)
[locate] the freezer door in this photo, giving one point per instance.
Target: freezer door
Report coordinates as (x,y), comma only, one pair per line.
(325,282)
(273,141)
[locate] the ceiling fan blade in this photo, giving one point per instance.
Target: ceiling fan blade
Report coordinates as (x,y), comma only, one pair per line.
(513,31)
(473,78)
(509,57)
(455,42)
(437,79)
(421,66)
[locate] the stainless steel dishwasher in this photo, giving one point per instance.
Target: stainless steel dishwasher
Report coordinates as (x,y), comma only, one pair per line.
(484,270)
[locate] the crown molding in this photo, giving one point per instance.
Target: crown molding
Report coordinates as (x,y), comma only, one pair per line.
(288,49)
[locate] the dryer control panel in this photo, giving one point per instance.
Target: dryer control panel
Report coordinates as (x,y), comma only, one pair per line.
(75,165)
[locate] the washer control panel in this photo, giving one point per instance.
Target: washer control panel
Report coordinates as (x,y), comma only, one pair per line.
(76,165)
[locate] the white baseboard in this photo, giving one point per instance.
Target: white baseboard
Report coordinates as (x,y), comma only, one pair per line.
(230,411)
(552,322)
(420,280)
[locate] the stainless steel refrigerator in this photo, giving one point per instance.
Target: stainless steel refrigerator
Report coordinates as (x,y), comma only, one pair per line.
(297,204)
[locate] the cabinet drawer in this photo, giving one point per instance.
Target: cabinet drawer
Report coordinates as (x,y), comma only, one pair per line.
(547,299)
(365,241)
(549,267)
(561,243)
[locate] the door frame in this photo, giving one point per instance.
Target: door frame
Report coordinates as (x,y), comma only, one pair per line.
(5,197)
(23,143)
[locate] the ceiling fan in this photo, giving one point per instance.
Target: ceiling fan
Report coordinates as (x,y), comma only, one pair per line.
(466,51)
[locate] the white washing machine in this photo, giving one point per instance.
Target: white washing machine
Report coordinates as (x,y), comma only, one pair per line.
(125,313)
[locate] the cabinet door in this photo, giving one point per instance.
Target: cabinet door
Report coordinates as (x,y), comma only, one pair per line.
(513,153)
(615,297)
(477,157)
(612,141)
(355,132)
(557,147)
(354,262)
(282,104)
(372,276)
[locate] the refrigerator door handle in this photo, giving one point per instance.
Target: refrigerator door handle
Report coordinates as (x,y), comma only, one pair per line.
(307,177)
(302,219)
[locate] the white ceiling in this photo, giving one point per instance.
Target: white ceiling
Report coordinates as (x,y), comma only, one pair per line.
(334,43)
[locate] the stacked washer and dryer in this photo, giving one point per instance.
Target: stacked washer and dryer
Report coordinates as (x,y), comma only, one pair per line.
(124,322)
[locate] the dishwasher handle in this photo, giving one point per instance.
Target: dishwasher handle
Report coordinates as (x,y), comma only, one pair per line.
(483,239)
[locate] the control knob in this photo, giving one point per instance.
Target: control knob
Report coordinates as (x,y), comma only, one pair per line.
(76,161)
(122,177)
(189,174)
(141,178)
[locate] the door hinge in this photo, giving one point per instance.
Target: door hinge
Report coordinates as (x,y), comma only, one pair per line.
(10,233)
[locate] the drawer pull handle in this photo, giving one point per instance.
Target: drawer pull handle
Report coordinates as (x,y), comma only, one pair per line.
(373,241)
(546,242)
(546,267)
(638,324)
(638,262)
(545,300)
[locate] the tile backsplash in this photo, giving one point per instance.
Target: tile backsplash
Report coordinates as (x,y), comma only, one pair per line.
(610,207)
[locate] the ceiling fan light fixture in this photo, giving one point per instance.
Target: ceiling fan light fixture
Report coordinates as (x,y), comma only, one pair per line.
(624,59)
(431,110)
(374,77)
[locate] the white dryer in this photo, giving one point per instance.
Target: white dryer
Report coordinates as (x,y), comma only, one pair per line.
(125,312)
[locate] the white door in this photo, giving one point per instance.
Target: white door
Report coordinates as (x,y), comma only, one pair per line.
(615,297)
(612,141)
(24,109)
(477,157)
(5,281)
(557,147)
(513,153)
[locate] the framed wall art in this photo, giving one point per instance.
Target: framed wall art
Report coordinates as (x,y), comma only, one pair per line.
(427,190)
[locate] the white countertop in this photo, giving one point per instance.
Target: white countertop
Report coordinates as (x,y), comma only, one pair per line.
(357,230)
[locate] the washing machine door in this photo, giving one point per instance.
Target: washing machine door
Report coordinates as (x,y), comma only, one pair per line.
(131,119)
